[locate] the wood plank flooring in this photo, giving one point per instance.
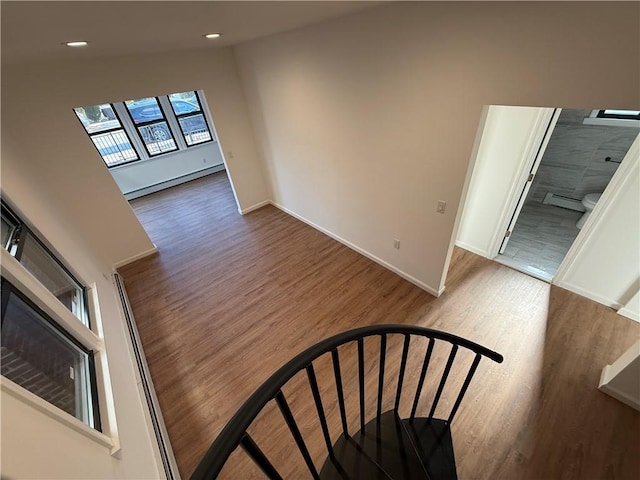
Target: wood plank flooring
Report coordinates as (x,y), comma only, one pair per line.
(230,298)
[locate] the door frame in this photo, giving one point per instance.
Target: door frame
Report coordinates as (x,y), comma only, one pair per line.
(622,174)
(542,147)
(519,180)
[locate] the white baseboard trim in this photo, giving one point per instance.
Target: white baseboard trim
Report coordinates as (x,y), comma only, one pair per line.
(148,253)
(629,314)
(433,291)
(254,207)
(590,295)
(472,249)
(156,187)
(615,393)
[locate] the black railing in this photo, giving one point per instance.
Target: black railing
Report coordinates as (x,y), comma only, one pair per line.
(235,432)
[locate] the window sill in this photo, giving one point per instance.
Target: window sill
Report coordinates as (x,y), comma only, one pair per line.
(63,417)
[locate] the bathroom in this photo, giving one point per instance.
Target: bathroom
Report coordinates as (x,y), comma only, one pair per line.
(584,151)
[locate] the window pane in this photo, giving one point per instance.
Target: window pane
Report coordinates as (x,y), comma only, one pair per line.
(42,266)
(98,118)
(157,137)
(8,226)
(114,147)
(194,129)
(144,110)
(622,112)
(39,358)
(185,102)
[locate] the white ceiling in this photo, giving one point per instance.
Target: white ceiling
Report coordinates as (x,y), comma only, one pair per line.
(35,30)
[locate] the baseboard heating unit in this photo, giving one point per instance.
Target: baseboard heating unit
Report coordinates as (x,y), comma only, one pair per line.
(564,202)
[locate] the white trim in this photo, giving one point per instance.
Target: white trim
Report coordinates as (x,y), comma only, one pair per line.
(620,177)
(254,207)
(54,412)
(24,281)
(629,314)
(148,253)
(589,294)
(106,402)
(631,308)
(627,362)
(472,249)
(433,291)
(617,394)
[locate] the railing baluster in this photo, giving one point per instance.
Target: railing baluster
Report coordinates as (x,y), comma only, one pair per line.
(403,364)
(295,431)
(443,380)
(383,352)
(257,456)
(361,381)
(336,373)
(423,374)
(465,385)
(318,401)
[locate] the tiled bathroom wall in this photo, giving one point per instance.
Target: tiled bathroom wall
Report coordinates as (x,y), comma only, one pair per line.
(574,161)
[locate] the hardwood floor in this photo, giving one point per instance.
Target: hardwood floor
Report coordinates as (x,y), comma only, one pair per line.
(230,298)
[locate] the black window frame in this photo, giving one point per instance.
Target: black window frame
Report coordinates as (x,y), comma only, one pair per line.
(6,289)
(191,114)
(137,126)
(604,114)
(110,130)
(17,240)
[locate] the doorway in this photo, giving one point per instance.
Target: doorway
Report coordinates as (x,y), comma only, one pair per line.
(529,178)
(574,165)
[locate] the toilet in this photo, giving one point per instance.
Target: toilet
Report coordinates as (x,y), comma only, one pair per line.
(589,201)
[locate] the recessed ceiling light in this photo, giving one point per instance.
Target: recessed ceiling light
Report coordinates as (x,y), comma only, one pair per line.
(212,35)
(76,44)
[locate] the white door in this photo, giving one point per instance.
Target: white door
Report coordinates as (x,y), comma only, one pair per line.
(532,174)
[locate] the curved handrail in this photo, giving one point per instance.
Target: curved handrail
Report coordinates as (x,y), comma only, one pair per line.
(231,435)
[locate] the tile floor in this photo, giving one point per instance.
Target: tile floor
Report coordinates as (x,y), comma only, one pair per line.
(540,240)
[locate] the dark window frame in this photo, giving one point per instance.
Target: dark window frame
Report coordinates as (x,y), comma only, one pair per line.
(191,114)
(6,289)
(110,130)
(603,114)
(21,231)
(147,123)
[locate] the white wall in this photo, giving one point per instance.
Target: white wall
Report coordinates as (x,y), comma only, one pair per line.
(37,102)
(604,262)
(366,121)
(147,173)
(506,153)
(35,445)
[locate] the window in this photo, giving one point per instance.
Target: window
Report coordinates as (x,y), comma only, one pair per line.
(152,125)
(21,243)
(107,134)
(133,130)
(41,357)
(622,114)
(47,353)
(188,110)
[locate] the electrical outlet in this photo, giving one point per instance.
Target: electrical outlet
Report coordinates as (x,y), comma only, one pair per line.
(441,206)
(396,244)
(229,154)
